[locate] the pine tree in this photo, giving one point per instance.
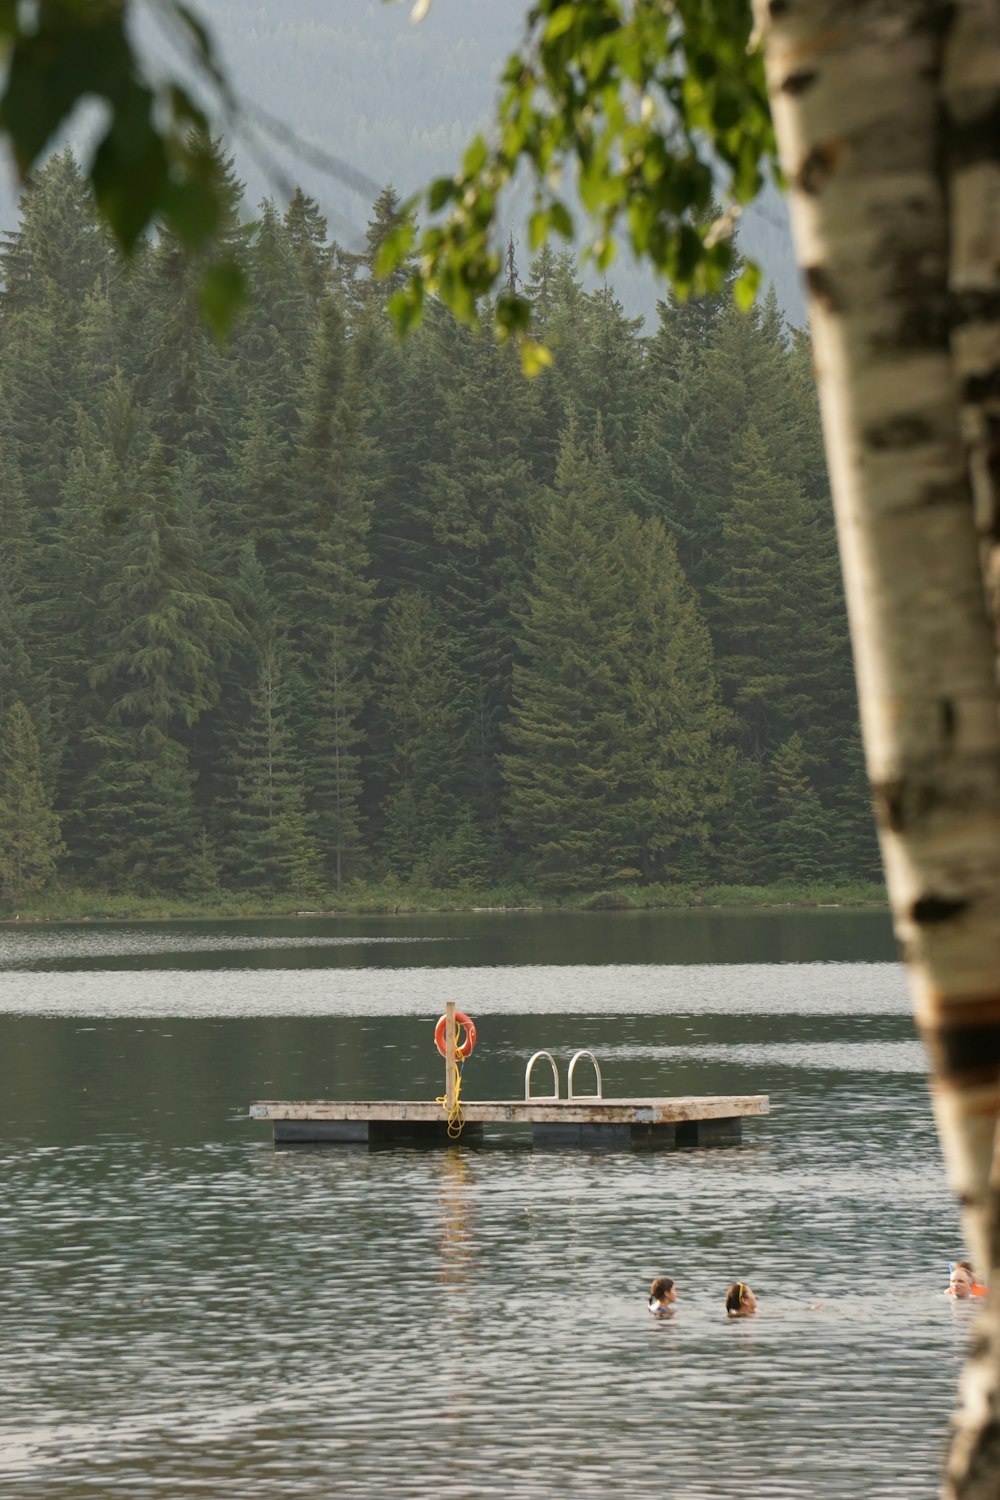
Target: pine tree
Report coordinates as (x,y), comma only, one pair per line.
(483,503)
(307,229)
(133,825)
(570,705)
(676,767)
(419,747)
(30,845)
(800,838)
(327,593)
(269,849)
(18,555)
(167,617)
(47,267)
(775,609)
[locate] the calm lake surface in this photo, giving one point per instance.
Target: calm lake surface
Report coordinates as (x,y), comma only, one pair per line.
(189,1312)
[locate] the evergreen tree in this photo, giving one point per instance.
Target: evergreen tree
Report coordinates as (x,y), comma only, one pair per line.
(571,698)
(420,744)
(48,266)
(167,617)
(133,823)
(484,502)
(328,595)
(676,767)
(269,847)
(307,229)
(801,836)
(30,844)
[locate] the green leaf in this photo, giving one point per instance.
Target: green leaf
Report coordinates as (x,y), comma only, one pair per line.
(440,192)
(222,293)
(746,286)
(475,157)
(394,248)
(559,217)
(534,357)
(560,22)
(538,228)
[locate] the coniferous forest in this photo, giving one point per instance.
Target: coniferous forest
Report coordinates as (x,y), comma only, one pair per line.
(318,607)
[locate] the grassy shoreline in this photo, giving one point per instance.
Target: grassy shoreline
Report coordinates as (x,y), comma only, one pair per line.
(398,900)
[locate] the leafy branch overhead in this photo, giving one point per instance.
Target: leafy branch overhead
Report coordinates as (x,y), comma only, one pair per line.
(651,111)
(154,161)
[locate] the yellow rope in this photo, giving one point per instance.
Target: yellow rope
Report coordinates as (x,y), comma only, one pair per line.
(456,1119)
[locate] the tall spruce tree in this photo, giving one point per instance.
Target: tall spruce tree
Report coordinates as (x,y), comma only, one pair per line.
(676,764)
(418,735)
(483,501)
(30,843)
(269,848)
(571,696)
(328,595)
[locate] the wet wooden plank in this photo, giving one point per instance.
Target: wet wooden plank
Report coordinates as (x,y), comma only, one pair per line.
(563,1112)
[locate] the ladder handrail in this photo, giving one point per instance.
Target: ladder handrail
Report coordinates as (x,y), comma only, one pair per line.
(584,1052)
(527,1076)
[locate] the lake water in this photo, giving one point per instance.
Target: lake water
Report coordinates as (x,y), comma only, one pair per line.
(189,1312)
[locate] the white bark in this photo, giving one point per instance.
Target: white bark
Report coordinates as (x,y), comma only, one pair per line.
(879,107)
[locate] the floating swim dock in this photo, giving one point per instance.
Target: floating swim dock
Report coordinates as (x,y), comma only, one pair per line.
(615,1124)
(587,1120)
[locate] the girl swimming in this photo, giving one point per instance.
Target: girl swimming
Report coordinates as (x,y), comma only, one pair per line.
(662,1294)
(740,1301)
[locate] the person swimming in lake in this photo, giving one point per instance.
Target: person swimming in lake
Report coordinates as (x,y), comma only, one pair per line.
(740,1301)
(962,1283)
(662,1296)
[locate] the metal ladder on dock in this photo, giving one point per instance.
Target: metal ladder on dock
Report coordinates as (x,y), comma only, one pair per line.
(583,1052)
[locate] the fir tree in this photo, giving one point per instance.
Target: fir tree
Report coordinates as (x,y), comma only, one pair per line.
(30,844)
(328,594)
(800,839)
(269,847)
(676,768)
(570,705)
(420,740)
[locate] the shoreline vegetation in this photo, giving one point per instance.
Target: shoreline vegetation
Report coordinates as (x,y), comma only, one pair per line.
(393,899)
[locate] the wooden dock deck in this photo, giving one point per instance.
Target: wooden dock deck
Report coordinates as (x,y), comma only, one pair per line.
(650,1124)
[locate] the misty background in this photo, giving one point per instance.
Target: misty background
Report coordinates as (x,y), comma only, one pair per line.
(392,101)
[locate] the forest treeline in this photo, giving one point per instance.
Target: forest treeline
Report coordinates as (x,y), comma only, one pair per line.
(318,606)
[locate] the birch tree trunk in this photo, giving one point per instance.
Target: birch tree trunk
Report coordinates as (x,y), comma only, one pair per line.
(888,120)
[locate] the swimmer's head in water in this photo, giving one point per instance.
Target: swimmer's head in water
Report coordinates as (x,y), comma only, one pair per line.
(663,1290)
(740,1300)
(961,1280)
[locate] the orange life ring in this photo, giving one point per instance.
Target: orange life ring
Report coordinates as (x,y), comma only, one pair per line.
(461,1019)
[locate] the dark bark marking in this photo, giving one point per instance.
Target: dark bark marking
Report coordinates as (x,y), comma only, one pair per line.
(924,322)
(889,805)
(975,307)
(970,1052)
(949,719)
(818,167)
(820,287)
(898,433)
(930,910)
(778,8)
(951,493)
(982,387)
(799,83)
(993,461)
(974,140)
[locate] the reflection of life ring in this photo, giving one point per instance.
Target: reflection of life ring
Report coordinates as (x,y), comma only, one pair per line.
(461,1019)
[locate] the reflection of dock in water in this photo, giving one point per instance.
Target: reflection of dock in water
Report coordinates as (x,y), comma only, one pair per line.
(616,1124)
